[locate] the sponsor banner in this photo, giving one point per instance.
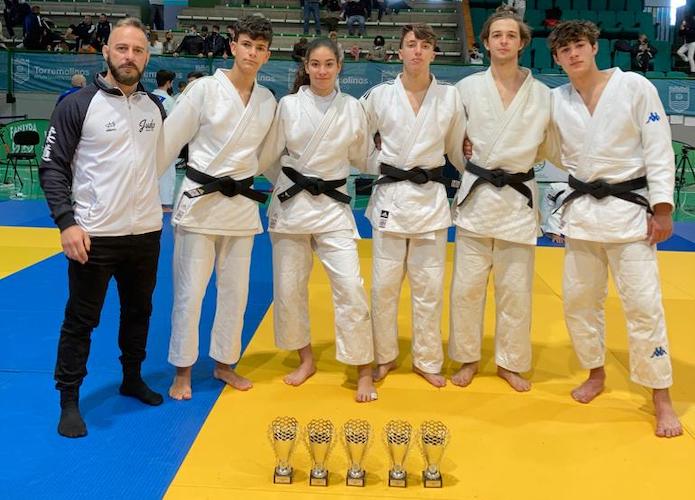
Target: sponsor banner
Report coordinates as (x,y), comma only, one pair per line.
(50,72)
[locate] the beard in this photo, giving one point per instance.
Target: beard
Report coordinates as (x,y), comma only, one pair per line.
(122,77)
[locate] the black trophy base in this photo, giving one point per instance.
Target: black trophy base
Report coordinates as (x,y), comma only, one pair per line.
(431,483)
(318,481)
(401,482)
(282,478)
(355,481)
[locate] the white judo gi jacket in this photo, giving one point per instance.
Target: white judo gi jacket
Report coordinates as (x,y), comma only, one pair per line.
(627,137)
(224,143)
(407,141)
(510,140)
(315,145)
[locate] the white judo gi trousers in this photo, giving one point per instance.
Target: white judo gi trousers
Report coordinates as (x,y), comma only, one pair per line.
(636,274)
(195,256)
(292,264)
(423,260)
(512,268)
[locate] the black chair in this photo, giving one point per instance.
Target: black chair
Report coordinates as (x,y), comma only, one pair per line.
(26,142)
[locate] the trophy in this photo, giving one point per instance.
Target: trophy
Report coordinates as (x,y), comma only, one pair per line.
(356,434)
(319,438)
(397,434)
(434,436)
(283,432)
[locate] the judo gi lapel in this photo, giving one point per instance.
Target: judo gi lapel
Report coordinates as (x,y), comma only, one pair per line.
(503,116)
(249,111)
(324,122)
(596,124)
(419,120)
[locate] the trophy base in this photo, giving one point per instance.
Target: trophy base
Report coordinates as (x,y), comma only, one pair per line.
(318,481)
(431,483)
(354,481)
(398,482)
(282,479)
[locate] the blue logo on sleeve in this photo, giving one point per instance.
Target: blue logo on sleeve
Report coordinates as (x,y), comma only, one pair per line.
(653,117)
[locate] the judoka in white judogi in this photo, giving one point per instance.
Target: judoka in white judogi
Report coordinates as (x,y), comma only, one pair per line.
(319,138)
(214,230)
(410,220)
(496,227)
(627,137)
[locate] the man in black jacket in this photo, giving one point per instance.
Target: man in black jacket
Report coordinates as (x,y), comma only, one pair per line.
(193,44)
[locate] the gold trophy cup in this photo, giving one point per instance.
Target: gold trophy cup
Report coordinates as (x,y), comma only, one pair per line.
(433,439)
(397,435)
(283,433)
(356,436)
(319,437)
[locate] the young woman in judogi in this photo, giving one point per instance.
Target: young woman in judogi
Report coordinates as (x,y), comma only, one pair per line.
(615,141)
(495,211)
(317,134)
(418,120)
(223,118)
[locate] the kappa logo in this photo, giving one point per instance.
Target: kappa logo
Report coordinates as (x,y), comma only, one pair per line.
(658,352)
(653,117)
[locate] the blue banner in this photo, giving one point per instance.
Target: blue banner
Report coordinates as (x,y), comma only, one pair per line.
(51,73)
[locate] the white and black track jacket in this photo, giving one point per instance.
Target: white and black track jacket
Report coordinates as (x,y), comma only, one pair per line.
(99,164)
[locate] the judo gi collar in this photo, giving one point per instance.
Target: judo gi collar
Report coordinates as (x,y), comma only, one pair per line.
(102,84)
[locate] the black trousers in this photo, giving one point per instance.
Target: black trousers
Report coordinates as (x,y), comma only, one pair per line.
(132,261)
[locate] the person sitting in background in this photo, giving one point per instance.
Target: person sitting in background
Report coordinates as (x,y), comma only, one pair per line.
(85,32)
(552,17)
(168,45)
(378,52)
(215,43)
(687,32)
(333,35)
(356,13)
(643,53)
(355,52)
(299,50)
(102,32)
(193,44)
(333,12)
(156,47)
(474,55)
(78,81)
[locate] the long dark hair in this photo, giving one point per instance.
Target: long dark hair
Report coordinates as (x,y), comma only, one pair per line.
(302,77)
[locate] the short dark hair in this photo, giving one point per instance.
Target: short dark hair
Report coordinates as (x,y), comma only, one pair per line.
(506,12)
(164,76)
(567,32)
(422,31)
(256,27)
(195,75)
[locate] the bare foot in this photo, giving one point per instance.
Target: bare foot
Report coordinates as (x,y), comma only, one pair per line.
(181,386)
(436,379)
(465,375)
(380,372)
(366,391)
(667,423)
(230,377)
(518,383)
(301,374)
(307,367)
(592,387)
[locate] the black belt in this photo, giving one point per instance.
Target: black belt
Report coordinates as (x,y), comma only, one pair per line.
(225,185)
(499,178)
(601,189)
(313,185)
(418,175)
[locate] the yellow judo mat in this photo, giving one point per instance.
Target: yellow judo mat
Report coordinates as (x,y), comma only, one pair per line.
(504,445)
(21,247)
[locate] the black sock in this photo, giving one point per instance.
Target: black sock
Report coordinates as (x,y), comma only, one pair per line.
(71,424)
(137,388)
